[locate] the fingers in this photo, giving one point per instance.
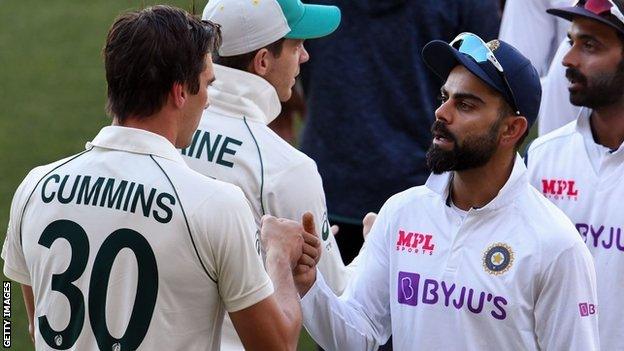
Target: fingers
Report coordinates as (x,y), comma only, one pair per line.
(334,229)
(306,260)
(308,223)
(367,223)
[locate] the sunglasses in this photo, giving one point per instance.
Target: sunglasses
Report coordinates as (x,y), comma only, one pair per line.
(600,7)
(473,46)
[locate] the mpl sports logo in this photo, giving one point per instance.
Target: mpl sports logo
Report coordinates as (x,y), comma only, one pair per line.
(414,242)
(559,189)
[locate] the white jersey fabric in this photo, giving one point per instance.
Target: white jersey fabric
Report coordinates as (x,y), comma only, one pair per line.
(536,34)
(586,181)
(234,144)
(125,242)
(556,110)
(512,275)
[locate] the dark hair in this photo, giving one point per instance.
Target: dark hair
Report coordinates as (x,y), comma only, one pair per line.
(147,51)
(243,61)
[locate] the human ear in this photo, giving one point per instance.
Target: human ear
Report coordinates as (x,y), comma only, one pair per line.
(514,129)
(178,94)
(261,62)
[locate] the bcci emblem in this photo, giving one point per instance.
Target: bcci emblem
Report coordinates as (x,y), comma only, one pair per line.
(498,258)
(493,45)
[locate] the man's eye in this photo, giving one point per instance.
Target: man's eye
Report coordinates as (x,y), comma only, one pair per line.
(463,106)
(442,98)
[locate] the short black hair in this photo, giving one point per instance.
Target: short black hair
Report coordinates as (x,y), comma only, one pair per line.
(147,51)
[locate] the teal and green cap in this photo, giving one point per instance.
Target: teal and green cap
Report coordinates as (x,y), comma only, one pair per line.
(309,21)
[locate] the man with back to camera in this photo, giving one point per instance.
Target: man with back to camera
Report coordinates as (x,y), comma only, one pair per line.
(579,167)
(126,224)
(476,258)
(256,68)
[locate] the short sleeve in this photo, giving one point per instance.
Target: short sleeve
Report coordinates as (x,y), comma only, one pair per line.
(15,266)
(230,243)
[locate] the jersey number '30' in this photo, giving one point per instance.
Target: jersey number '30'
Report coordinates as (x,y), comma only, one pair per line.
(147,286)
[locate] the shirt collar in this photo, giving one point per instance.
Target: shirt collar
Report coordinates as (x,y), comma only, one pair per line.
(237,93)
(583,127)
(582,124)
(440,184)
(135,140)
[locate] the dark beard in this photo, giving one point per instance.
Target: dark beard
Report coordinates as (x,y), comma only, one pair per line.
(474,151)
(603,90)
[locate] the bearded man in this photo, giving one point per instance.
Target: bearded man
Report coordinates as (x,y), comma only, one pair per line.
(579,167)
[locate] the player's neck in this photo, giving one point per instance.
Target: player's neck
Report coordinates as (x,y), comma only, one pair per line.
(607,124)
(156,124)
(475,188)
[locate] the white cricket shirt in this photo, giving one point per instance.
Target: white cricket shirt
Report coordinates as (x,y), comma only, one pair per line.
(586,181)
(125,242)
(234,144)
(512,275)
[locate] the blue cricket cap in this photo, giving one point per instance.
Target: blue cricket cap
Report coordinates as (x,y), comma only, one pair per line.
(523,79)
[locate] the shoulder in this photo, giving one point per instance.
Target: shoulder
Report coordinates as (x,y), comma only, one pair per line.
(549,225)
(411,198)
(556,138)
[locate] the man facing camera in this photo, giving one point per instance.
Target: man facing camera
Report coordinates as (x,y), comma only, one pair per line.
(476,258)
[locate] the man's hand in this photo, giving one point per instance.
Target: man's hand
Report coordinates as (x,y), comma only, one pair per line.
(282,236)
(368,222)
(305,272)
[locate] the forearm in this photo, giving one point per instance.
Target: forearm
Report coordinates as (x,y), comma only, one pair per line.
(280,272)
(336,323)
(29,303)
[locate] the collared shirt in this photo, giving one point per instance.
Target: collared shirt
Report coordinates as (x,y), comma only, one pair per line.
(584,179)
(234,144)
(150,249)
(511,275)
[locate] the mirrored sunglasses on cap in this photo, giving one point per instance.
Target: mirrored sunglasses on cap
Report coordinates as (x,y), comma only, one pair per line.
(473,46)
(601,7)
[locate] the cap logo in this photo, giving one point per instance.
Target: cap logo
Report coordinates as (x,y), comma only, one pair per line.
(498,258)
(493,45)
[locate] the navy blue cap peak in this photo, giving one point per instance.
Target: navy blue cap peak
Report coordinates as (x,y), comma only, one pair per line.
(518,83)
(609,12)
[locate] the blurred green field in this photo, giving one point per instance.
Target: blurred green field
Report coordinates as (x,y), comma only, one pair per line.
(52,94)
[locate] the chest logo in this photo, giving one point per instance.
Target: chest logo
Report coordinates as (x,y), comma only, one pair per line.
(559,189)
(414,242)
(498,258)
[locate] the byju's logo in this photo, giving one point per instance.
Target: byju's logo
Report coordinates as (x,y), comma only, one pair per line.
(412,291)
(559,189)
(587,309)
(415,242)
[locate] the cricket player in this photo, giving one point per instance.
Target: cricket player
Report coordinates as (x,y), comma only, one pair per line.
(122,246)
(263,47)
(580,167)
(475,259)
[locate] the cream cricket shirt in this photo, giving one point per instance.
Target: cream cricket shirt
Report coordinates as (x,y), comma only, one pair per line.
(586,181)
(127,248)
(512,275)
(234,144)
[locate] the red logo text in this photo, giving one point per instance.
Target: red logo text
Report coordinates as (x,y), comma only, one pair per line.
(559,189)
(415,242)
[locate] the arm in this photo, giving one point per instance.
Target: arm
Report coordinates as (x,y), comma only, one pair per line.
(566,308)
(29,303)
(280,323)
(360,318)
